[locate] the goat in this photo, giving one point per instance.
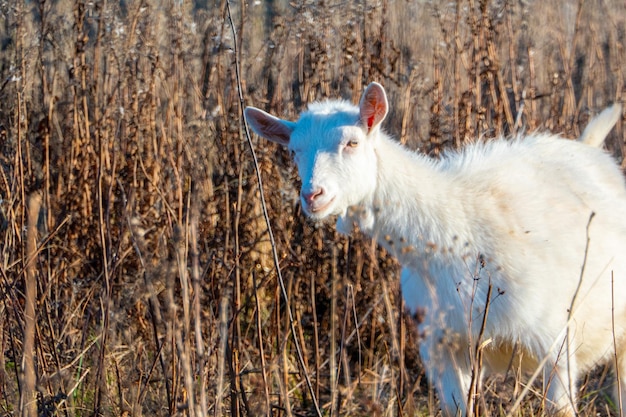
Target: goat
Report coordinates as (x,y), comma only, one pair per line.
(511,249)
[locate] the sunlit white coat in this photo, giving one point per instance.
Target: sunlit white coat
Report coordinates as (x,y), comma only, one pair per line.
(538,222)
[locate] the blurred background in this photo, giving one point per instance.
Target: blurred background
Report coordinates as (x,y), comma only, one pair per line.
(136,272)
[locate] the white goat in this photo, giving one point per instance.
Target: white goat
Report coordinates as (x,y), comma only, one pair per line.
(538,222)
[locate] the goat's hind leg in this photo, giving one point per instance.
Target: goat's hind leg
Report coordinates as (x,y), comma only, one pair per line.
(619,391)
(561,388)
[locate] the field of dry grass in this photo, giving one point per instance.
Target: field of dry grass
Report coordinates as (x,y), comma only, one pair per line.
(137,275)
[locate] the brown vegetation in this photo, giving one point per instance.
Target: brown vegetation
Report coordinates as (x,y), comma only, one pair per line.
(131,218)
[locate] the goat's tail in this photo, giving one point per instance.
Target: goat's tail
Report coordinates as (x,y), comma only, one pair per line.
(600,126)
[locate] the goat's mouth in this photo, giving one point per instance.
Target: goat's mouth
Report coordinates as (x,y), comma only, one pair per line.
(319,210)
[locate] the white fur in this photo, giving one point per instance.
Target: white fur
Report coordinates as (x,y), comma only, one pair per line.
(539,219)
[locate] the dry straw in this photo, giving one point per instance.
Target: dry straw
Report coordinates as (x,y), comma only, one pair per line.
(156,283)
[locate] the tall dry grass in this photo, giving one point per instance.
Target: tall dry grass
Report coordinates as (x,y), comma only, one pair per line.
(148,260)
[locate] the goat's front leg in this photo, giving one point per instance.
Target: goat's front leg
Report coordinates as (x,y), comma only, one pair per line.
(448,369)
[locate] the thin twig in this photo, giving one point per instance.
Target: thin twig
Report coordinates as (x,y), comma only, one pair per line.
(570,315)
(618,389)
(260,342)
(223,332)
(472,405)
(267,219)
(334,369)
(28,400)
(195,277)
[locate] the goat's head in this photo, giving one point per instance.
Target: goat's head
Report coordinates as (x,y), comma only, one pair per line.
(333,144)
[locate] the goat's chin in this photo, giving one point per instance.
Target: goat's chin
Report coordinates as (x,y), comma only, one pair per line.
(320,211)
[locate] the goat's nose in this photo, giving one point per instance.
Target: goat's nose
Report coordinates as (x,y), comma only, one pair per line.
(310,196)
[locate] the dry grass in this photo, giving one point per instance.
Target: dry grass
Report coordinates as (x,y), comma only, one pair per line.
(155,290)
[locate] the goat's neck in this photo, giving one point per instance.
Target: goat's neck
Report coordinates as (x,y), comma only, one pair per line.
(415,205)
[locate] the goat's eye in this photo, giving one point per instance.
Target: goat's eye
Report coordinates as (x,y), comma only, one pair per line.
(352,143)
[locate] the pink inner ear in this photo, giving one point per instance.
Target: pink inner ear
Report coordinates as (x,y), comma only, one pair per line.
(373,106)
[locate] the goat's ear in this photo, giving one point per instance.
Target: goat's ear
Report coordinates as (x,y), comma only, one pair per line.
(270,127)
(373,107)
